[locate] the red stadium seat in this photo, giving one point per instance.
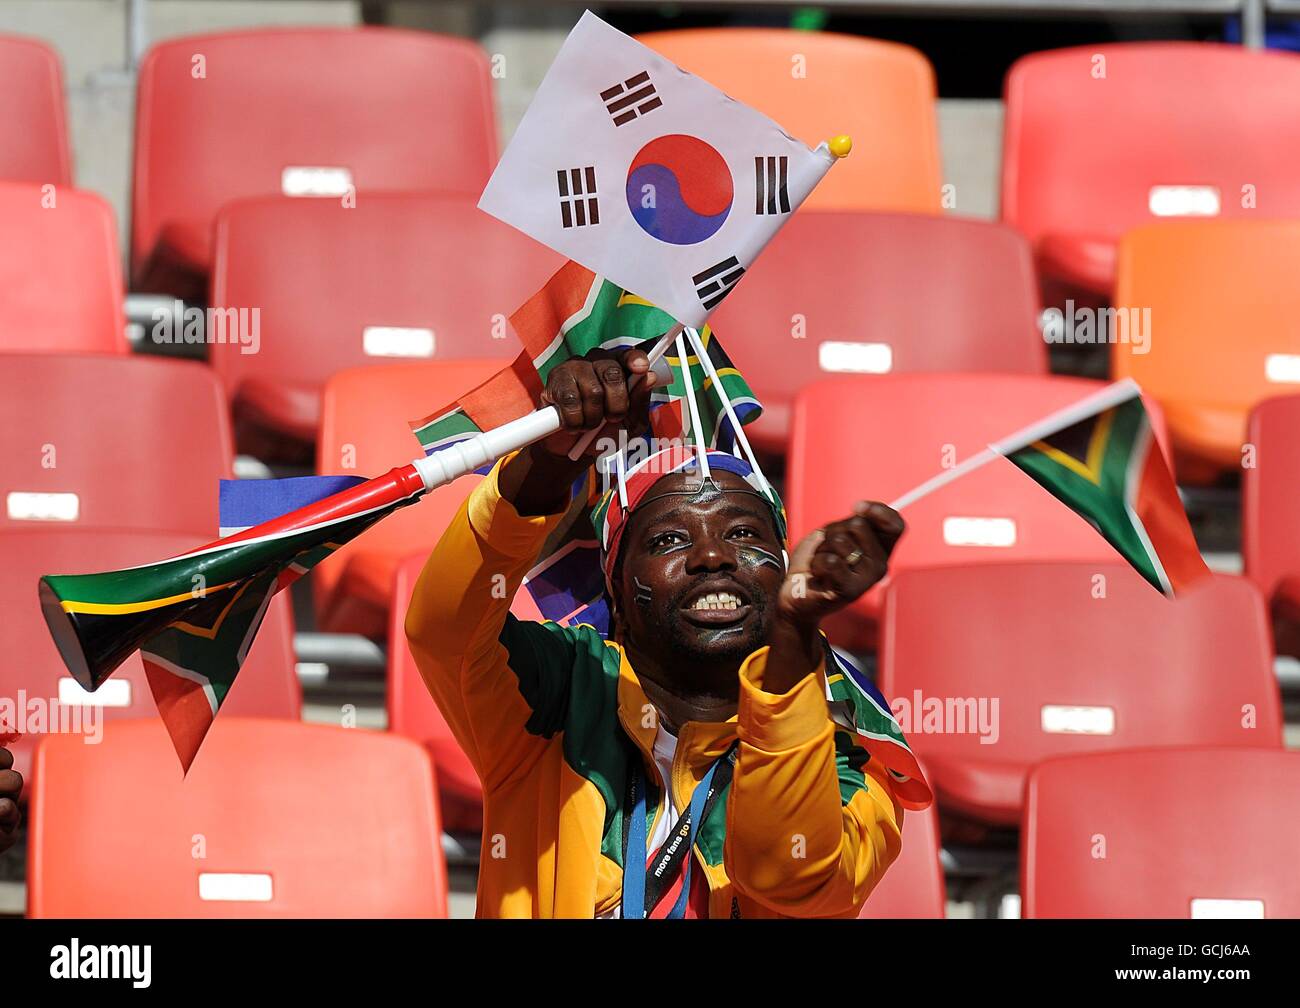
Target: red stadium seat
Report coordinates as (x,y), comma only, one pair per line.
(1072,670)
(260,827)
(296,111)
(818,85)
(1221,301)
(413,714)
(60,272)
(1099,139)
(364,430)
(898,431)
(267,685)
(111,442)
(330,280)
(33,124)
(1270,534)
(1163,833)
(879,292)
(913,887)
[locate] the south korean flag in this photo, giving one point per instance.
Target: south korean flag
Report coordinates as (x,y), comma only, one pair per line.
(647,175)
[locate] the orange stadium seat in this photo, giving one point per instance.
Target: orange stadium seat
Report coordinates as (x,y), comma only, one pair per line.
(262,826)
(1162,833)
(899,430)
(913,887)
(1270,534)
(298,111)
(1102,138)
(1072,670)
(399,275)
(365,415)
(1223,301)
(413,714)
(112,442)
(33,123)
(60,272)
(818,85)
(267,685)
(879,293)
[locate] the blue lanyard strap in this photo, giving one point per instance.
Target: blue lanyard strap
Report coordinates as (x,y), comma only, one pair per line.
(676,850)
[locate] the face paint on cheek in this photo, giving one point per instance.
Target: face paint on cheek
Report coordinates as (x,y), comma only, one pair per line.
(642,596)
(756,556)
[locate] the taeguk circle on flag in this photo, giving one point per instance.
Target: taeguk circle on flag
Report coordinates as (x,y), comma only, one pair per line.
(679,189)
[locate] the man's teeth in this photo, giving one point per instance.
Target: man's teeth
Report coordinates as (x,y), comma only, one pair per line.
(720,600)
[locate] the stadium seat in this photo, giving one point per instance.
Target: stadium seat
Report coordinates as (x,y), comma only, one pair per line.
(413,714)
(896,431)
(880,293)
(1270,534)
(399,275)
(275,819)
(297,111)
(365,415)
(1223,302)
(111,442)
(60,272)
(818,85)
(1163,833)
(1078,657)
(1102,138)
(913,887)
(33,123)
(267,685)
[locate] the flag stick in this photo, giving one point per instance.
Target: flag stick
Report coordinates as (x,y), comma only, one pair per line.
(725,399)
(656,351)
(1102,399)
(701,450)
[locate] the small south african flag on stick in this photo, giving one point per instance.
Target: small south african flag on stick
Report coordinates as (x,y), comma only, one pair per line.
(1100,458)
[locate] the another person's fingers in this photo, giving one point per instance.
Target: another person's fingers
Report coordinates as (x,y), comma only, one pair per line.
(11,782)
(6,759)
(8,813)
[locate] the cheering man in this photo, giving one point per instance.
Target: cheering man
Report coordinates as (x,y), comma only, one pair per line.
(688,766)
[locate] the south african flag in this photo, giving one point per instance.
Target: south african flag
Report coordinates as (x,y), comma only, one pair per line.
(575,313)
(1107,467)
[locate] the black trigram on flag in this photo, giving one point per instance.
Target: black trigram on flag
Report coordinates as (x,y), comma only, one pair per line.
(716,282)
(635,96)
(770,193)
(578,206)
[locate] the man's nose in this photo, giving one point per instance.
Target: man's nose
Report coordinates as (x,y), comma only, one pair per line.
(709,553)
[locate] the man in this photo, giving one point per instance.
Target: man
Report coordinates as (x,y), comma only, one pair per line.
(711,687)
(11,782)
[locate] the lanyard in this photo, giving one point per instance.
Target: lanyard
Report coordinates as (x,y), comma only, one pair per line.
(675,853)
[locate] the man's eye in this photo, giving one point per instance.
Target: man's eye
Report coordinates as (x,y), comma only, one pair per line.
(744,531)
(666,539)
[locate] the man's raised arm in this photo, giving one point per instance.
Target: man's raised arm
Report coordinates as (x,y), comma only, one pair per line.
(498,681)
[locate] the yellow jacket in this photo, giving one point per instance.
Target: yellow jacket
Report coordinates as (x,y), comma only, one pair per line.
(810,821)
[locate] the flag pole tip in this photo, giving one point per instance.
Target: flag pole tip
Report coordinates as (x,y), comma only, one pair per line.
(840,145)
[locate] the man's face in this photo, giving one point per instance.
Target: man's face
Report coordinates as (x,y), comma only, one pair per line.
(700,574)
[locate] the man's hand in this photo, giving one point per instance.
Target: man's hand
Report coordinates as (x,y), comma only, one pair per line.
(830,568)
(836,564)
(590,393)
(11,782)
